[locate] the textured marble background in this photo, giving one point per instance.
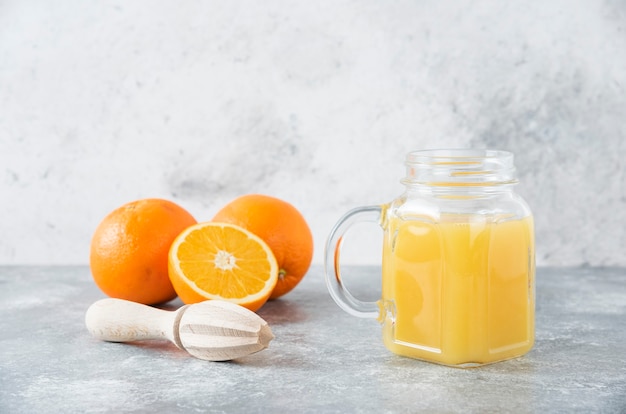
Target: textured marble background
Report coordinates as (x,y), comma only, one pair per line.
(315,102)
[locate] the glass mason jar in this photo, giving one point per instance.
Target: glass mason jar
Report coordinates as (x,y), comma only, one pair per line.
(458,267)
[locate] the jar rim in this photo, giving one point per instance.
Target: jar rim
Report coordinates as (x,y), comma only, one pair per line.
(418,156)
(449,167)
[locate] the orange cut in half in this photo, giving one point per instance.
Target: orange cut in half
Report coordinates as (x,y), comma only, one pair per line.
(222,261)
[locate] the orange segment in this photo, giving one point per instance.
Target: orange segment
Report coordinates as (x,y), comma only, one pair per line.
(222,261)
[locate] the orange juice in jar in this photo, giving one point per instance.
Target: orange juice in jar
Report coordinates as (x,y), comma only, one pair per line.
(458,282)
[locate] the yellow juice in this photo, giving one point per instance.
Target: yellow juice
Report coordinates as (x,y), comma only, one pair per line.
(459,291)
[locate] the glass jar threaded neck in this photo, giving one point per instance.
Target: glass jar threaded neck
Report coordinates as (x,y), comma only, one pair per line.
(460,168)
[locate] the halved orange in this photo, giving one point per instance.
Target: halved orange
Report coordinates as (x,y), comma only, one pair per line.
(222,261)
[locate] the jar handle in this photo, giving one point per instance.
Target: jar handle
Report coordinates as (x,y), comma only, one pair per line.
(334,283)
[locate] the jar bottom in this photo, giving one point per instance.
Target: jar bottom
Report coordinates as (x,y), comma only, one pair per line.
(450,361)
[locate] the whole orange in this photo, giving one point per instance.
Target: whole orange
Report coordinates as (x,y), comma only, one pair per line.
(129,250)
(282,227)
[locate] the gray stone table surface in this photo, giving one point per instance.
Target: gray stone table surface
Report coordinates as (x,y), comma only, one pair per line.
(322,359)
